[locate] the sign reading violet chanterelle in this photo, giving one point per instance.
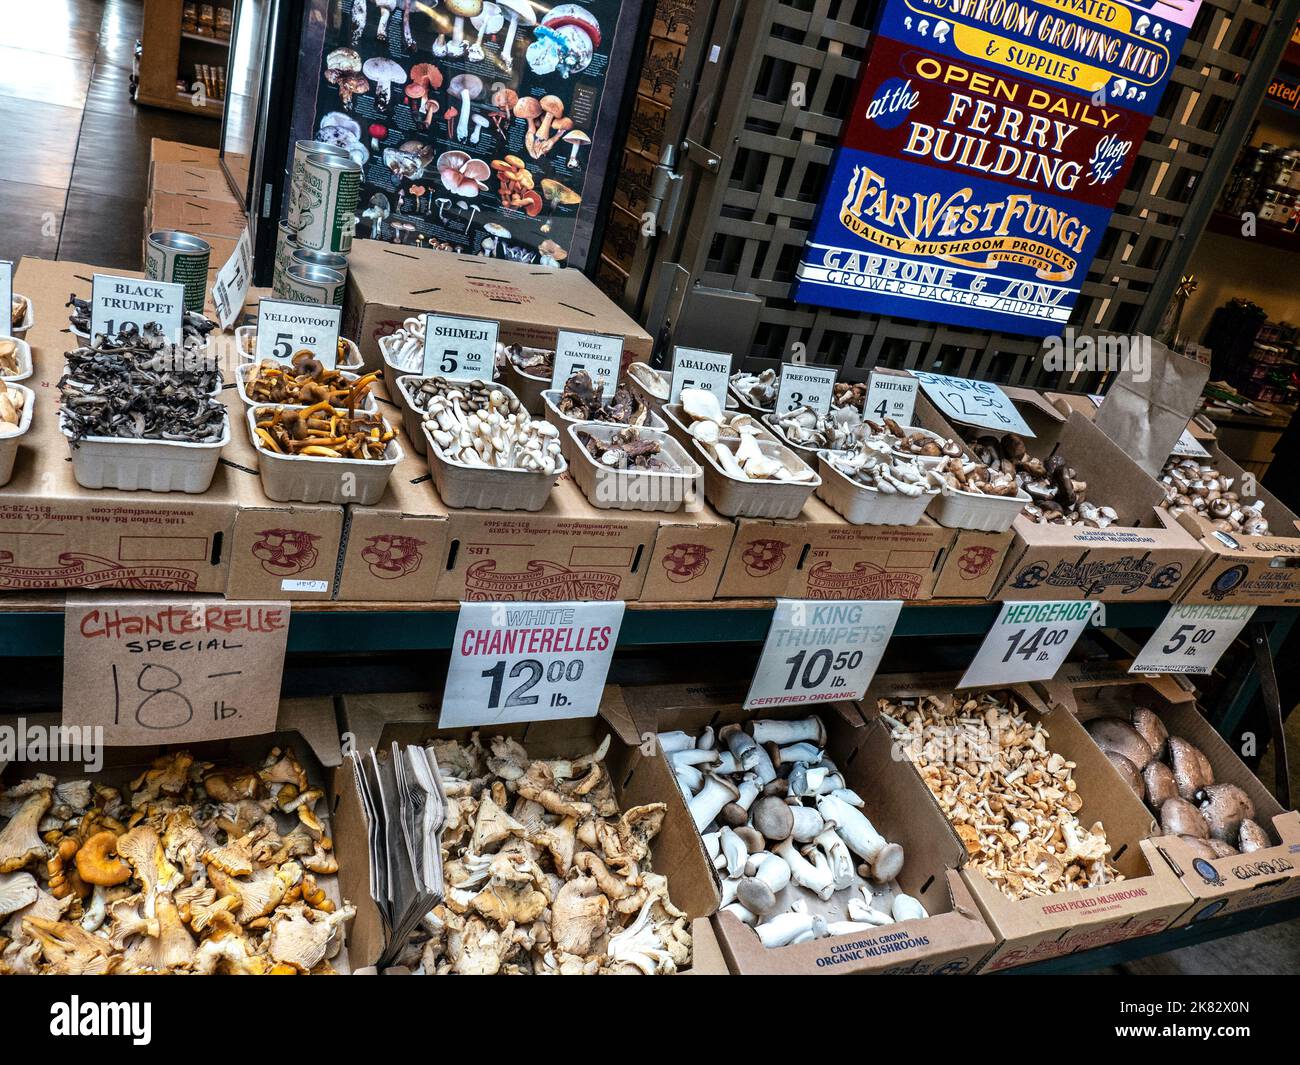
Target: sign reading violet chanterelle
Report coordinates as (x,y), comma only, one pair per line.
(988,144)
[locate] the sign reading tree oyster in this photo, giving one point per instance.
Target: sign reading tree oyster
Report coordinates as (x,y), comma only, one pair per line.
(987,147)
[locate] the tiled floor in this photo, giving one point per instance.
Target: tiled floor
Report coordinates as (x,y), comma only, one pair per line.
(73,177)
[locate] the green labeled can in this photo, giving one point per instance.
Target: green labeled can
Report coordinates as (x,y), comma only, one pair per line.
(302,149)
(327,203)
(329,260)
(181,259)
(305,283)
(285,245)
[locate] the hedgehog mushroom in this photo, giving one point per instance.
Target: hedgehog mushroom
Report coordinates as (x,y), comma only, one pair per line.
(20,842)
(70,950)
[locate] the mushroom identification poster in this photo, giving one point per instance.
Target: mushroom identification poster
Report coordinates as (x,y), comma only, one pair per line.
(475,122)
(989,142)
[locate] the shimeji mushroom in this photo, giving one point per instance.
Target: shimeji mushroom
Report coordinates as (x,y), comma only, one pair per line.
(469,88)
(518,12)
(384,72)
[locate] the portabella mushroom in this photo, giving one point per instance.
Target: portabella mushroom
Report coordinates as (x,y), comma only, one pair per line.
(1178,817)
(1224,807)
(1192,772)
(1115,735)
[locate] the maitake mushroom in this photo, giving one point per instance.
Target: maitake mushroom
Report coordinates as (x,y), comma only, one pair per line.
(208,878)
(543,874)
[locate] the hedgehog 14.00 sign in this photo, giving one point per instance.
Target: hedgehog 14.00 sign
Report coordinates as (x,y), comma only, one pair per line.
(988,144)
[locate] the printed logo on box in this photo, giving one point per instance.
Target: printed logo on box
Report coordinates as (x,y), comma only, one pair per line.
(286,551)
(544,582)
(390,556)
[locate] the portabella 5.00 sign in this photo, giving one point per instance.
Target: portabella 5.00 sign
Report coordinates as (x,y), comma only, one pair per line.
(988,145)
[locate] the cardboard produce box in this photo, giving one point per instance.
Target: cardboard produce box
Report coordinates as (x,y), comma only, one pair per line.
(1240,569)
(389,283)
(819,555)
(573,550)
(377,721)
(278,550)
(954,938)
(1139,558)
(203,217)
(1040,927)
(1221,885)
(56,534)
(308,726)
(189,179)
(161,151)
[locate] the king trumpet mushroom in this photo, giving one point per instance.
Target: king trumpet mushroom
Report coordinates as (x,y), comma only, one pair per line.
(798,858)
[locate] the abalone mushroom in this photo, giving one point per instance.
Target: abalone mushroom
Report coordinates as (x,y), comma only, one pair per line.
(468,87)
(384,72)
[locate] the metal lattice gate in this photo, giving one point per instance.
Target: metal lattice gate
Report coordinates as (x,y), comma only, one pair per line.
(737,195)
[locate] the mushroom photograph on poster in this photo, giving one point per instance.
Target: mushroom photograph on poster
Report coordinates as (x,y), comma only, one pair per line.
(474,121)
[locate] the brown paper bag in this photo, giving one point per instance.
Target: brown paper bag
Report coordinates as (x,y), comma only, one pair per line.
(1146,416)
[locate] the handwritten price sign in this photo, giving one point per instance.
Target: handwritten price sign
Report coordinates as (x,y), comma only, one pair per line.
(973,402)
(151,671)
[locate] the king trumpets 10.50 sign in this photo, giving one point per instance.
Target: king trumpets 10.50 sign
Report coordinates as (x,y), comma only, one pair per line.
(988,145)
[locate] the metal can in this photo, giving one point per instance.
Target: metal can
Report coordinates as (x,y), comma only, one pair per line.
(302,149)
(181,259)
(329,260)
(304,283)
(285,246)
(327,203)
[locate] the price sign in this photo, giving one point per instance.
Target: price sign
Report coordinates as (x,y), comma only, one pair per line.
(529,662)
(1029,641)
(601,356)
(117,302)
(694,368)
(6,294)
(805,386)
(230,288)
(1188,447)
(891,397)
(972,402)
(1192,639)
(462,349)
(817,651)
(285,328)
(172,670)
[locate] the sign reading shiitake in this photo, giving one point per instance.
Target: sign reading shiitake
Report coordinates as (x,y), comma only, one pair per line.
(285,328)
(694,368)
(460,349)
(119,302)
(890,396)
(601,356)
(805,386)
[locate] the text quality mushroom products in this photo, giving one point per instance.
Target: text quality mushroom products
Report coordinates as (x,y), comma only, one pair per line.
(190,869)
